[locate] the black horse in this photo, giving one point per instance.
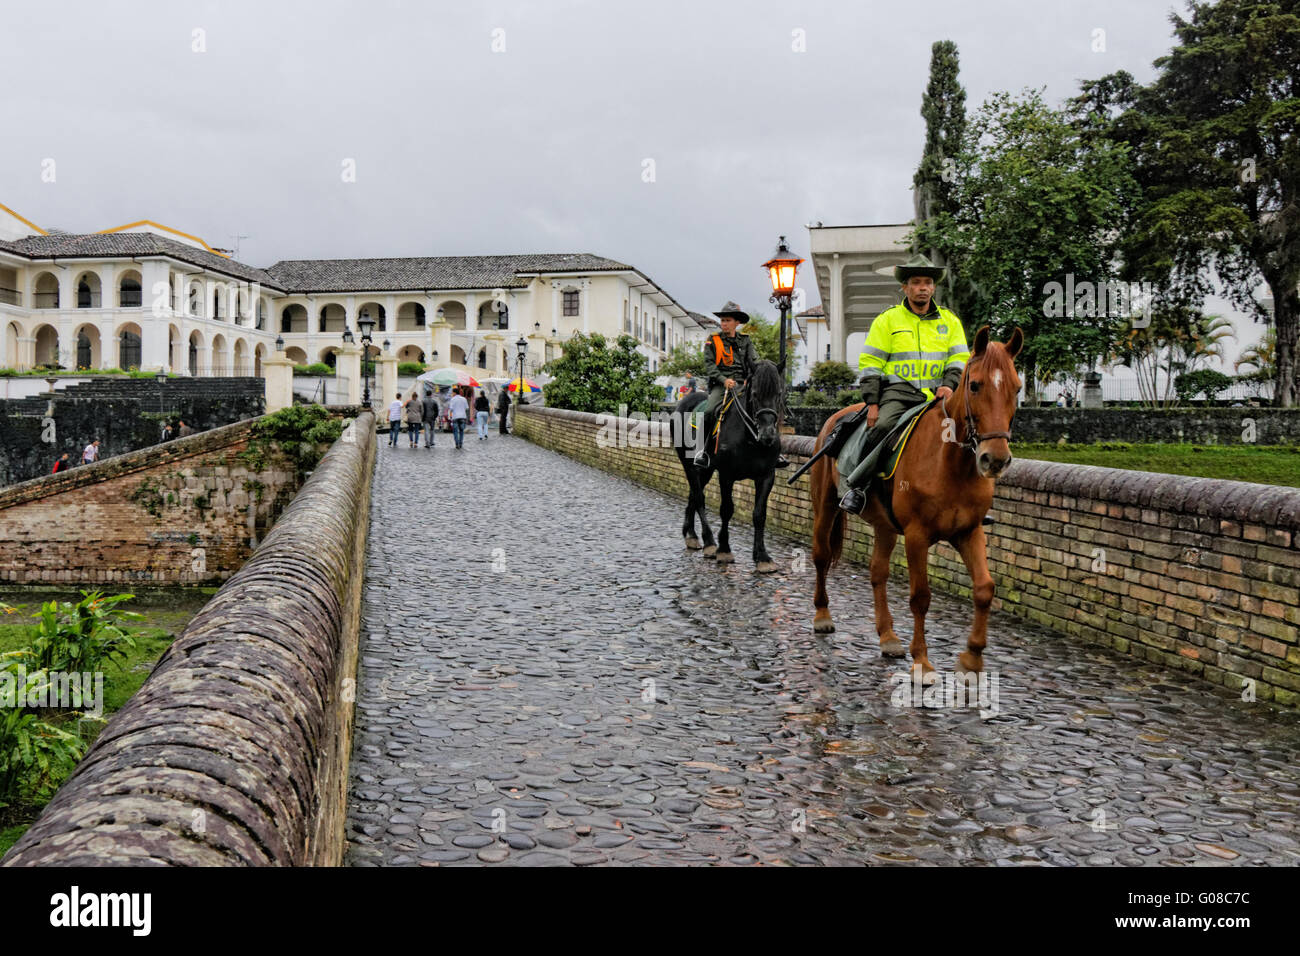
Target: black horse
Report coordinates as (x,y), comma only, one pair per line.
(748,447)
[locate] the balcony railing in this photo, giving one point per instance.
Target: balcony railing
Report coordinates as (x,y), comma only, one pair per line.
(45,300)
(87,300)
(11,296)
(132,300)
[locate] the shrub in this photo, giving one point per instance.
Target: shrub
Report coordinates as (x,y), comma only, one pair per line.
(299,432)
(81,637)
(815,399)
(316,369)
(593,377)
(847,396)
(832,376)
(32,752)
(410,368)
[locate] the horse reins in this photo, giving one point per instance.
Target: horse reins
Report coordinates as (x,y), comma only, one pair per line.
(745,417)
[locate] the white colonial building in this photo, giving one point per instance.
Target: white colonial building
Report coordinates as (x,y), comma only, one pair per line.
(147,296)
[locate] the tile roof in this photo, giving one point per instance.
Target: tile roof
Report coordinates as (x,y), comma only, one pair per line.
(439,272)
(106,245)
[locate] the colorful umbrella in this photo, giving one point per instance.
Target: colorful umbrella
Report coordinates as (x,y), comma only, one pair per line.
(531,386)
(449,376)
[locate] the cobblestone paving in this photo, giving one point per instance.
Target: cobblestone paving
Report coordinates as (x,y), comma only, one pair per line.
(597,705)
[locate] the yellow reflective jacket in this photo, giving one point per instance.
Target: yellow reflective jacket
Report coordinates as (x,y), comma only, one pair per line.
(924,351)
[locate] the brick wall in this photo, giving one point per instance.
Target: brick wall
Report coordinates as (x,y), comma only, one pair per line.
(185,512)
(1195,574)
(235,751)
(1202,426)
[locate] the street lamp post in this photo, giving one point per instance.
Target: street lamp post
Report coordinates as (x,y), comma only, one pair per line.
(365,323)
(782,268)
(522,346)
(160,377)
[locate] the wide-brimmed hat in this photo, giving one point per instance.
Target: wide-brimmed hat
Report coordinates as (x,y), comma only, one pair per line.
(731,310)
(919,265)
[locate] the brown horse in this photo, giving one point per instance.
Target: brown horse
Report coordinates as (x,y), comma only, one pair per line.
(941,490)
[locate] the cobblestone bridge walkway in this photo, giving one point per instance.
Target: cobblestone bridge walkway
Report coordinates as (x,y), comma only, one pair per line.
(610,698)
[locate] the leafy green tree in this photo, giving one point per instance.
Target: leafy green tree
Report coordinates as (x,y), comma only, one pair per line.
(1259,361)
(1218,161)
(766,337)
(1036,202)
(830,377)
(686,359)
(592,376)
(943,107)
(1190,384)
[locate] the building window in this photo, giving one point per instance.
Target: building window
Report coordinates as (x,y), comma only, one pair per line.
(570,303)
(627,324)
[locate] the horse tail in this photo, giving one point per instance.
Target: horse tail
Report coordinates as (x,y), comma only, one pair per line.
(837,536)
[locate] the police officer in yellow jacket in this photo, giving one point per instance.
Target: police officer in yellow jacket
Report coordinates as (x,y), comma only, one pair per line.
(914,352)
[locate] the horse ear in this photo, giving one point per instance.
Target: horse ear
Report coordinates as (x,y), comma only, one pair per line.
(1015,343)
(981,342)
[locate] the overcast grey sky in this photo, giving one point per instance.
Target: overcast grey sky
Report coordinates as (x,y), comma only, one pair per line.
(538,148)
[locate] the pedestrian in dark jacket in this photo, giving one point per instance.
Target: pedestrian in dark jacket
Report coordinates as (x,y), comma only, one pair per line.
(482,409)
(61,464)
(430,412)
(414,412)
(503,410)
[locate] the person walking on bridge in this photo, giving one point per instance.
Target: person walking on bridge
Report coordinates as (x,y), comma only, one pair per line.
(914,352)
(429,413)
(414,412)
(503,410)
(394,420)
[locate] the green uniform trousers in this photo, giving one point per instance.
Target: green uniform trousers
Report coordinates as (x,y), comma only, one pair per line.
(892,406)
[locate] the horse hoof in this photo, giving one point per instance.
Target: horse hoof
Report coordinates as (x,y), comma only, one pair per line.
(725,557)
(693,544)
(927,677)
(765,567)
(823,625)
(892,649)
(710,550)
(964,668)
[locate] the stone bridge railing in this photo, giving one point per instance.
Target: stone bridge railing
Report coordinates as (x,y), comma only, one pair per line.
(1196,574)
(235,750)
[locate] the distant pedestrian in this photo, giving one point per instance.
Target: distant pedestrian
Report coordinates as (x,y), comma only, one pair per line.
(482,408)
(394,420)
(168,432)
(503,410)
(429,414)
(413,423)
(458,409)
(90,454)
(62,464)
(183,430)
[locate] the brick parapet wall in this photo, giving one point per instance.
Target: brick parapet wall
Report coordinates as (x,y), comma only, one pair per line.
(235,750)
(188,511)
(1196,574)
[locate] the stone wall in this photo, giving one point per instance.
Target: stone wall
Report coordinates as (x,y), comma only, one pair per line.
(235,750)
(1196,574)
(124,414)
(189,511)
(1201,426)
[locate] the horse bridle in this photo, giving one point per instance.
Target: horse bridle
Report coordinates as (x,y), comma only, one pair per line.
(751,420)
(973,435)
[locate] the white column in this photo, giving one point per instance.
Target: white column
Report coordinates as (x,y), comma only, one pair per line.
(835,310)
(471,313)
(582,305)
(555,307)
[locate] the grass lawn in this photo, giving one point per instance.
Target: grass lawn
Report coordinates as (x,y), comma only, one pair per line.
(1262,464)
(165,615)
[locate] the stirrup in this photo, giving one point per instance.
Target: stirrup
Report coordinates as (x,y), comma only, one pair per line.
(701,459)
(854,501)
(782,462)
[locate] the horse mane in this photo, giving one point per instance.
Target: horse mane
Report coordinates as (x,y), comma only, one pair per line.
(765,386)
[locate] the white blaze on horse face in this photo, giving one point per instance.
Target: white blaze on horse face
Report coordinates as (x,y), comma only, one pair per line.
(997,379)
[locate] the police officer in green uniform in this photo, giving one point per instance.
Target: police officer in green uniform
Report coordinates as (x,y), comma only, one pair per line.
(914,352)
(729,358)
